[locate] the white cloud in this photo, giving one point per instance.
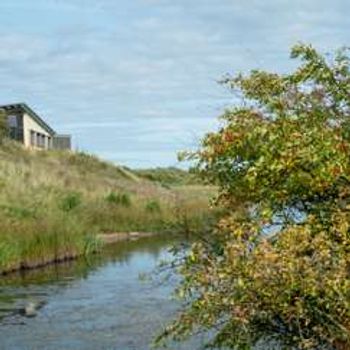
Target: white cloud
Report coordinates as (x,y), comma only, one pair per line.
(135,72)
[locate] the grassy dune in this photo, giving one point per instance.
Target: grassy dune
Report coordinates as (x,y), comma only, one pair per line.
(52,204)
(168,176)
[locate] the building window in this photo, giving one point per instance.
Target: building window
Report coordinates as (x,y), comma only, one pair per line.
(40,140)
(12,121)
(32,138)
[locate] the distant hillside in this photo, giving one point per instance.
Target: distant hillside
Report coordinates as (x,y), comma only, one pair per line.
(52,204)
(170,176)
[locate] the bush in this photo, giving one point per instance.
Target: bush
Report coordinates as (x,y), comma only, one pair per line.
(70,201)
(153,206)
(122,199)
(17,212)
(277,265)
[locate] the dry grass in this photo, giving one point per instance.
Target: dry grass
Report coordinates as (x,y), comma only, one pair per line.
(52,204)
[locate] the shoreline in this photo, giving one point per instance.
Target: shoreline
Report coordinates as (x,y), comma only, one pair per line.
(109,238)
(104,238)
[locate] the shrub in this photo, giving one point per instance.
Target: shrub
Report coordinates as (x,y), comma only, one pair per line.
(153,206)
(70,201)
(122,199)
(277,265)
(18,212)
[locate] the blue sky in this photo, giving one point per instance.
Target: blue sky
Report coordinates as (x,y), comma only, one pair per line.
(134,81)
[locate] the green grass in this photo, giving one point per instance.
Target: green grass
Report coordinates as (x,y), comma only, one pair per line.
(170,176)
(52,204)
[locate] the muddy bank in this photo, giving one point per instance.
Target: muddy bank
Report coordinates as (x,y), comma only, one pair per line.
(108,238)
(104,238)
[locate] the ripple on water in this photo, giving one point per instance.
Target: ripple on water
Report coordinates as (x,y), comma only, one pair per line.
(95,304)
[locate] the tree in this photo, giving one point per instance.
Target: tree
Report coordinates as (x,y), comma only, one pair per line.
(278,264)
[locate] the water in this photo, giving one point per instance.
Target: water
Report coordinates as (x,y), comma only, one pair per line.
(97,304)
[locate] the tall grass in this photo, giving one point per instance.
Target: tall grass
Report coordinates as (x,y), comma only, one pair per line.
(52,205)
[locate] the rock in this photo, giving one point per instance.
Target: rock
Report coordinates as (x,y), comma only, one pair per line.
(30,310)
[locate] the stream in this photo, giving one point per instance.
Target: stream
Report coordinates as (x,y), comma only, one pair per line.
(99,303)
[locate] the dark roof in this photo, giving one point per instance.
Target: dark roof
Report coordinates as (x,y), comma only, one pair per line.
(25,109)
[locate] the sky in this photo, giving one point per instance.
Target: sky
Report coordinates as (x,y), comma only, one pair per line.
(135,81)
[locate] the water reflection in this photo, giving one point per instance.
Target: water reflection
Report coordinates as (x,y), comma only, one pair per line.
(67,271)
(99,303)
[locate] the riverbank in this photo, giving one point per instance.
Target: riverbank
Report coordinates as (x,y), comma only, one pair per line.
(54,204)
(101,241)
(109,238)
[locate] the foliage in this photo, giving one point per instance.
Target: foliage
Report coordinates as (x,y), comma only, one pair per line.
(170,176)
(153,206)
(277,266)
(122,199)
(70,201)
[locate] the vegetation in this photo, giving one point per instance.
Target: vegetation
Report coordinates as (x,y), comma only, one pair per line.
(3,126)
(52,205)
(277,267)
(170,176)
